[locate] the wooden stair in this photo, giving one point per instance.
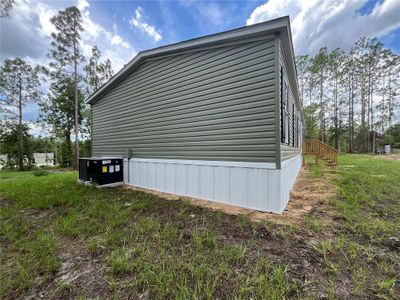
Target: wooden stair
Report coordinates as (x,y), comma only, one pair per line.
(321,151)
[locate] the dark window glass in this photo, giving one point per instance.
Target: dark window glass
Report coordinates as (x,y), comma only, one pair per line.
(282,107)
(293,124)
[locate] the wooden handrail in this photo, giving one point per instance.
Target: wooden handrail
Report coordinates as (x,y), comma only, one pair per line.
(320,149)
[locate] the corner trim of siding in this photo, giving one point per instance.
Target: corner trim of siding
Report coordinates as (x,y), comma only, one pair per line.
(277,102)
(254,165)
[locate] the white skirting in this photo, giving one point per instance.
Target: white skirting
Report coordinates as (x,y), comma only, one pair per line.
(256,186)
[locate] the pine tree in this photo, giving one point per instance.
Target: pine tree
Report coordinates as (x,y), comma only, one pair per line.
(302,66)
(5,8)
(19,83)
(10,137)
(355,92)
(66,55)
(59,112)
(350,82)
(392,88)
(335,62)
(97,72)
(318,69)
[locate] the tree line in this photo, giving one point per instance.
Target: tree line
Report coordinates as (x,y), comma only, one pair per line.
(351,98)
(59,89)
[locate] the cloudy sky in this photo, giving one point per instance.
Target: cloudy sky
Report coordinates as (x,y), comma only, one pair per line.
(122,28)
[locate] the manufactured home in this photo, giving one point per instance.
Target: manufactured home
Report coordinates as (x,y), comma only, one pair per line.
(216,118)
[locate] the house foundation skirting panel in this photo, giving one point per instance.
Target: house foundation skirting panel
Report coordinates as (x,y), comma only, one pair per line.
(288,173)
(256,186)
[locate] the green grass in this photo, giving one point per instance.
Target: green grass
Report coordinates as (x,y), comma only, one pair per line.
(170,249)
(369,197)
(367,218)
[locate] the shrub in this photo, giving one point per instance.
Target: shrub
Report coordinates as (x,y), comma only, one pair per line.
(41,172)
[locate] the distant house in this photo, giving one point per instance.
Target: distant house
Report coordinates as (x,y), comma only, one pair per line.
(39,159)
(217,117)
(3,160)
(43,159)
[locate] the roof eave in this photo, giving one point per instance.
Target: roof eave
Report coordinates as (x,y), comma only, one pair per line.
(276,25)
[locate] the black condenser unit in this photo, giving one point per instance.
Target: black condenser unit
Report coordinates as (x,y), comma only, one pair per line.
(101,170)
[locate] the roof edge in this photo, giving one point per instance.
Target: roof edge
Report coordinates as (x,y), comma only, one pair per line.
(281,24)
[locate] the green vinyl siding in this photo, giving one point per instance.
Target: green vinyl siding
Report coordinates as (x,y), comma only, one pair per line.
(207,104)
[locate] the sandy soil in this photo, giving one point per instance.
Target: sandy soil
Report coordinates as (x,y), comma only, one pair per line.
(389,157)
(306,194)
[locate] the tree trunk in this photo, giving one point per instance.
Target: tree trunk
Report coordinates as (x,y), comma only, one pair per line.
(372,121)
(21,137)
(351,113)
(369,110)
(336,115)
(390,110)
(321,110)
(67,157)
(349,127)
(76,106)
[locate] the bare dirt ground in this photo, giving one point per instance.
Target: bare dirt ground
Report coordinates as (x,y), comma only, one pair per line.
(389,157)
(80,274)
(306,194)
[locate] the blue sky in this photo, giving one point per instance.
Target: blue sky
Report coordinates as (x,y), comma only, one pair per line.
(123,28)
(175,20)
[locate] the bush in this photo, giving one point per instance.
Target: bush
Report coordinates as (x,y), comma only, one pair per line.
(48,167)
(41,172)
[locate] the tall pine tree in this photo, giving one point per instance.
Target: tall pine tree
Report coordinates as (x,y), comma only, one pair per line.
(66,55)
(19,83)
(319,70)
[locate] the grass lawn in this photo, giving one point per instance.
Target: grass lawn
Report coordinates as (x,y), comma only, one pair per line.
(63,240)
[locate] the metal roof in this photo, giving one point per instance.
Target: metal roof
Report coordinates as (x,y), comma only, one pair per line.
(279,26)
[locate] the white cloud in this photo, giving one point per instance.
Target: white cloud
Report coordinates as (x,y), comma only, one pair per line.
(82,4)
(210,15)
(316,24)
(92,29)
(45,14)
(212,12)
(138,22)
(26,33)
(112,45)
(118,40)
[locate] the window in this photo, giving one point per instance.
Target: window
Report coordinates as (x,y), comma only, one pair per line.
(283,105)
(296,130)
(286,127)
(293,123)
(285,118)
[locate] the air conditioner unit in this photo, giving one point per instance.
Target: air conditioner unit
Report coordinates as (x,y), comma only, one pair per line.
(101,170)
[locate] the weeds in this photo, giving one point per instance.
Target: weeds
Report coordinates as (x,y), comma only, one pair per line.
(40,172)
(313,223)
